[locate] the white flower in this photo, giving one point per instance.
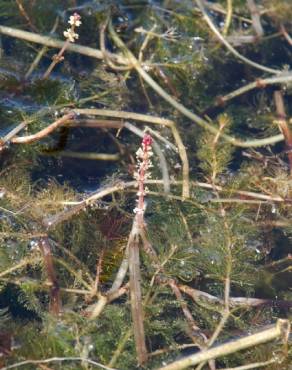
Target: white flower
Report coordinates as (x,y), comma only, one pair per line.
(139,153)
(71,20)
(71,35)
(74,20)
(137,210)
(149,164)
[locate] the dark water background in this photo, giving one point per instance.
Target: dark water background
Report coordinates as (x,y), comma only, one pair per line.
(207,74)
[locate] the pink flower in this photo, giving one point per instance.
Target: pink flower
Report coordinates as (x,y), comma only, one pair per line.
(147,140)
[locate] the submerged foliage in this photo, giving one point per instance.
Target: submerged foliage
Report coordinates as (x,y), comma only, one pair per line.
(61,246)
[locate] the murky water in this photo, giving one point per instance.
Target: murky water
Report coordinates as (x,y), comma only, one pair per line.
(182,55)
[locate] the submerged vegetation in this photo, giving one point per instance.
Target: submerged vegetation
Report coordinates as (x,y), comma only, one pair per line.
(175,255)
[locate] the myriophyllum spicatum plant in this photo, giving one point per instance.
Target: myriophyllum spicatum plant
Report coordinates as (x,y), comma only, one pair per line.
(71,35)
(143,155)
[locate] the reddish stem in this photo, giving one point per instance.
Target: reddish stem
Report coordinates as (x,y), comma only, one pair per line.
(55,301)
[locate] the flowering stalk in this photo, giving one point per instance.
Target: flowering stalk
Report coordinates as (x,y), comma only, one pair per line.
(143,164)
(71,36)
(143,155)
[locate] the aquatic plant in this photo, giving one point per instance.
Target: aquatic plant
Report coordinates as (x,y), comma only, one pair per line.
(199,273)
(71,36)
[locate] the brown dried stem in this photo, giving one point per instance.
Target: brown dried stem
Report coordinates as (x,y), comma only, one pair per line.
(231,48)
(56,59)
(57,359)
(199,339)
(136,295)
(12,133)
(41,53)
(25,15)
(67,119)
(228,18)
(283,125)
(182,109)
(43,133)
(198,295)
(286,34)
(284,78)
(255,365)
(132,259)
(95,53)
(93,311)
(55,301)
(98,272)
(71,36)
(280,330)
(52,221)
(58,44)
(255,17)
(154,120)
(89,155)
(143,164)
(23,263)
(107,56)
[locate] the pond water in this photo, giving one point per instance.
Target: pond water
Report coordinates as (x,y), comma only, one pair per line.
(231,220)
